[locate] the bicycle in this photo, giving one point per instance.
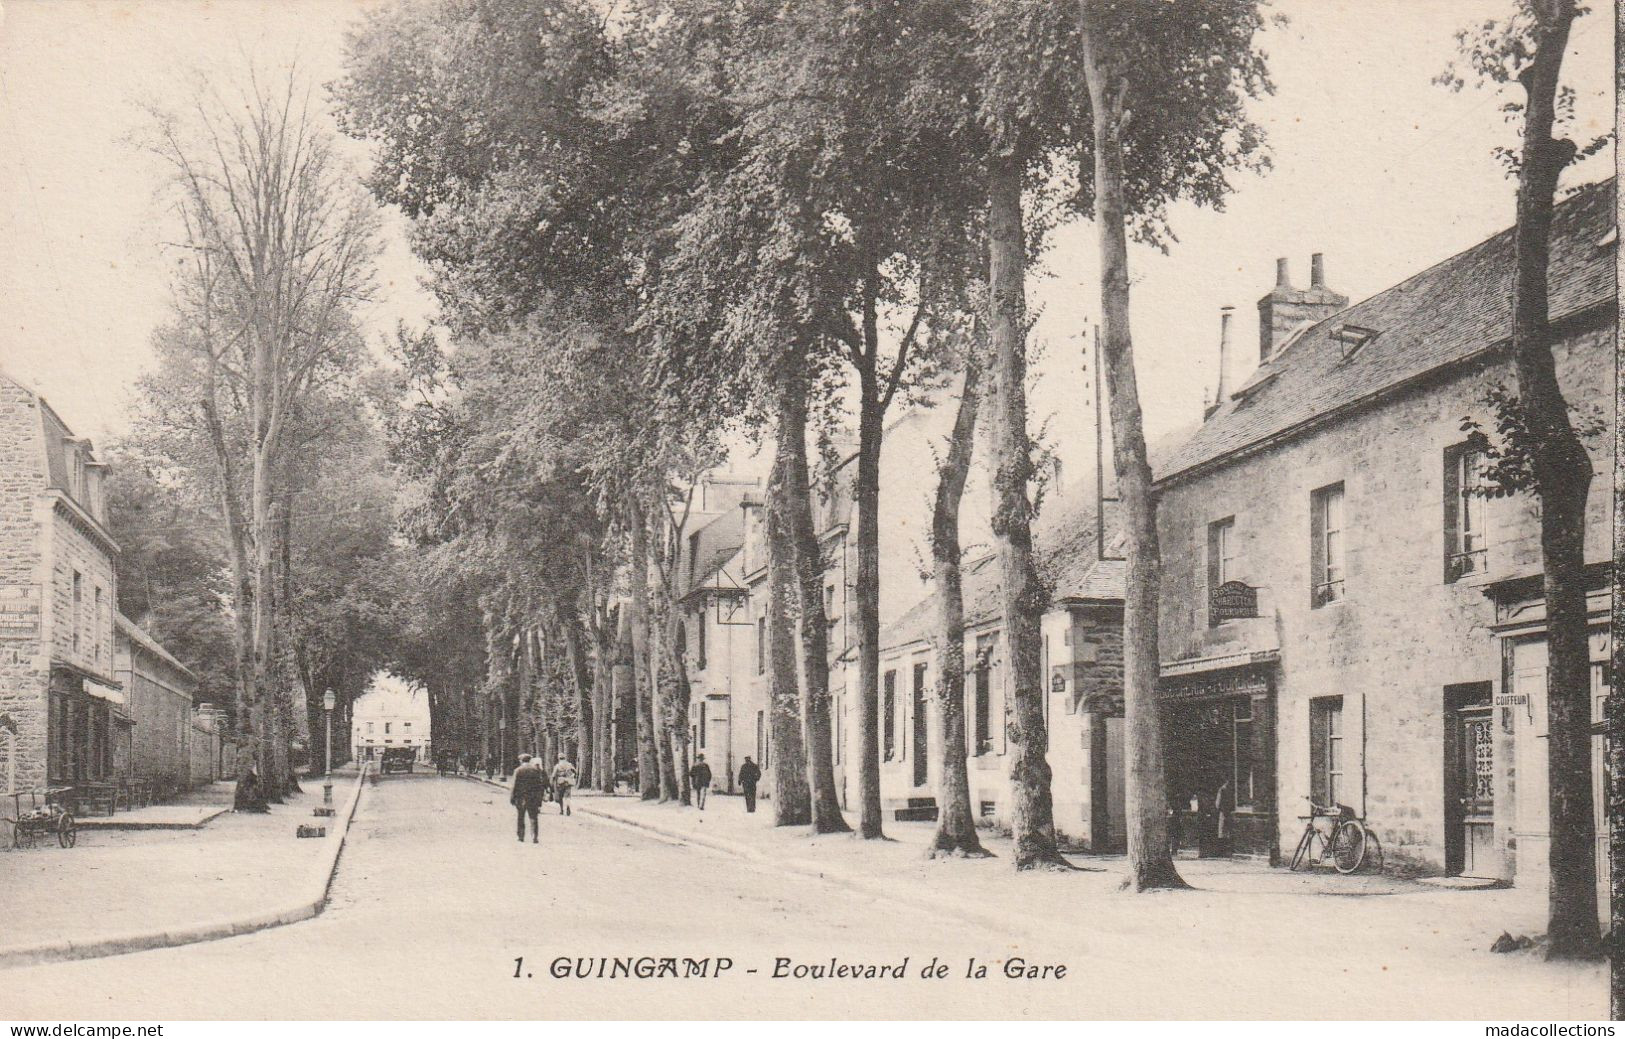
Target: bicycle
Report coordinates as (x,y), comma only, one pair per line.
(1349,844)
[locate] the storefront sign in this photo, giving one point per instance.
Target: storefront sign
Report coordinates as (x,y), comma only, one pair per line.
(19,612)
(1510,699)
(1233,600)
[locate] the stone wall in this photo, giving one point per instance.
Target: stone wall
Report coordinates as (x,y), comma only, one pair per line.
(1401,634)
(82,631)
(24,663)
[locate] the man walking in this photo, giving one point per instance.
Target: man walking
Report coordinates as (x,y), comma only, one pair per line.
(749,776)
(699,777)
(529,788)
(564,780)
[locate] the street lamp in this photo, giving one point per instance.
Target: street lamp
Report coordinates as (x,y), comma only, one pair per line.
(329,701)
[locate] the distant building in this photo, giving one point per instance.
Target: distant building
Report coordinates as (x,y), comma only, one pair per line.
(391,713)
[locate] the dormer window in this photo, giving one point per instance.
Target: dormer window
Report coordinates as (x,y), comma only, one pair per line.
(1353,337)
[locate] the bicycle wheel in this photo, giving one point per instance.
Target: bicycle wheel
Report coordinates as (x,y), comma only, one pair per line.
(1348,846)
(1302,857)
(67,834)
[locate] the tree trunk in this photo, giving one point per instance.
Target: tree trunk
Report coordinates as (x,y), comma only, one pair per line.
(582,690)
(792,800)
(679,695)
(793,502)
(871,429)
(956,822)
(1032,816)
(603,694)
(660,672)
(643,677)
(623,687)
(1562,474)
(1150,860)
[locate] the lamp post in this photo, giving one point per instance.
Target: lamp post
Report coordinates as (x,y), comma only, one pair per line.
(329,701)
(502,744)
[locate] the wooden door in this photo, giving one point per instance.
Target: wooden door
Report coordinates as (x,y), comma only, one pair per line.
(1475,764)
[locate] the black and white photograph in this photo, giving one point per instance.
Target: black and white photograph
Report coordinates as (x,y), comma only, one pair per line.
(810,510)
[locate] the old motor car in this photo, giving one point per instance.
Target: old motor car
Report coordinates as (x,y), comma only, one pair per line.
(397,759)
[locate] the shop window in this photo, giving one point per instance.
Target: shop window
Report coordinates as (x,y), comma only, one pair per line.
(888,714)
(1327,546)
(1242,752)
(1327,761)
(1466,533)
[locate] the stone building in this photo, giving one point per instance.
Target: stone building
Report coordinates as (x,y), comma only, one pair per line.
(57,593)
(1343,617)
(158,694)
(1082,654)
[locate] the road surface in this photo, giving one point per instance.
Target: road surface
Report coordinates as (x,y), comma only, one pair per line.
(436,907)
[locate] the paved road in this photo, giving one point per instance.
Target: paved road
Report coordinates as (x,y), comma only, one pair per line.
(435,900)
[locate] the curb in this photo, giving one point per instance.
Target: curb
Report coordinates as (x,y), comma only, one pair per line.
(108,822)
(189,934)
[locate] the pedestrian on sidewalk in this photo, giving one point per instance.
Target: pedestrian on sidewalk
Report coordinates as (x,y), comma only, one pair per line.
(699,777)
(529,787)
(564,780)
(749,776)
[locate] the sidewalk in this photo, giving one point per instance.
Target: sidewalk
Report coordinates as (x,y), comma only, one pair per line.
(1418,949)
(159,880)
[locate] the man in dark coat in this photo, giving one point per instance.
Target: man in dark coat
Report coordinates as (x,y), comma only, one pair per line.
(699,777)
(529,791)
(749,776)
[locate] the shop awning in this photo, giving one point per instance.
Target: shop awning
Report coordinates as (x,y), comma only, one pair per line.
(111,693)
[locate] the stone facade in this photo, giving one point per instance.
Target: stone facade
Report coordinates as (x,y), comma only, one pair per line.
(170,747)
(1402,650)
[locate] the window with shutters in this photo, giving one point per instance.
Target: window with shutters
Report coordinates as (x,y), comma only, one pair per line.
(1466,530)
(888,714)
(761,644)
(699,640)
(1327,754)
(1221,561)
(982,698)
(1327,545)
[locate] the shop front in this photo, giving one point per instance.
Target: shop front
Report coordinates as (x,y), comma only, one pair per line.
(86,727)
(1218,724)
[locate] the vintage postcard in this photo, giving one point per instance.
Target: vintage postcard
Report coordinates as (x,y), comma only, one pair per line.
(1056,510)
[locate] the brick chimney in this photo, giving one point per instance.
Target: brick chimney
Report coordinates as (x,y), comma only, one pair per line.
(1285,308)
(1223,392)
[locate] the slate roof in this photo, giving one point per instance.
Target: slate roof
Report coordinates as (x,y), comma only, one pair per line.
(1454,311)
(1064,544)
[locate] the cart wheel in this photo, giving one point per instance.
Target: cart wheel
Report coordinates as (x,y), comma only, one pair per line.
(67,834)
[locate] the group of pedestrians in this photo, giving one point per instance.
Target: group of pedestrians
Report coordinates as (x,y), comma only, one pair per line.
(532,786)
(699,780)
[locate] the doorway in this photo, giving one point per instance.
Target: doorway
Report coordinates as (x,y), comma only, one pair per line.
(1469,788)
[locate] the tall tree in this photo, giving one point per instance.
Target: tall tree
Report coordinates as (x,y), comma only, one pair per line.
(1547,454)
(956,822)
(278,248)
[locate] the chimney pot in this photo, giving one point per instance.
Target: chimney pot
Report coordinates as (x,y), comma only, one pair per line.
(1282,278)
(1222,392)
(1317,271)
